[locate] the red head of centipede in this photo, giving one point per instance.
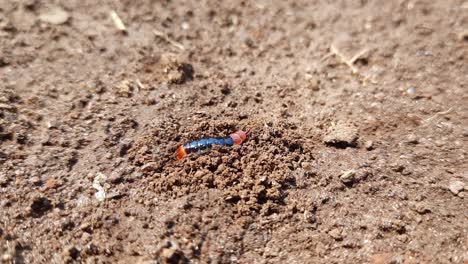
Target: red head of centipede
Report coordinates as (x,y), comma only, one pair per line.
(238,137)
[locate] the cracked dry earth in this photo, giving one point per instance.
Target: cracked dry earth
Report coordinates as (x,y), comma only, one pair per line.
(357,111)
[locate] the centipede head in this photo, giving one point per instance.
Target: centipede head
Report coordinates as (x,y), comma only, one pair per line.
(180,152)
(246,134)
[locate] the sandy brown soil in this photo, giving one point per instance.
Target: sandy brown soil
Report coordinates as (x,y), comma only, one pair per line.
(348,161)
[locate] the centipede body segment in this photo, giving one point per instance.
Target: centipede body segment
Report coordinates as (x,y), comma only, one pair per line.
(235,138)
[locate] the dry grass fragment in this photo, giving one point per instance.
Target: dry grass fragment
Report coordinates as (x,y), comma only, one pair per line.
(349,62)
(118,22)
(442,113)
(165,37)
(334,51)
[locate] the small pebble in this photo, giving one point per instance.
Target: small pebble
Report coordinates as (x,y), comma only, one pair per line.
(306,165)
(456,186)
(348,176)
(421,208)
(336,234)
(114,195)
(314,83)
(185,26)
(86,226)
(125,88)
(309,217)
(412,139)
(463,36)
(50,184)
(35,180)
(116,177)
(70,253)
(7,258)
(369,145)
(465,132)
(439,143)
(411,90)
(55,16)
(149,167)
(341,136)
(380,97)
(172,255)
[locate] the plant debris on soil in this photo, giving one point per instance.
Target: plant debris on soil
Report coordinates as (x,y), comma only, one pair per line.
(357,151)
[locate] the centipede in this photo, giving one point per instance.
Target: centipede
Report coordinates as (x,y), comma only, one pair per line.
(235,138)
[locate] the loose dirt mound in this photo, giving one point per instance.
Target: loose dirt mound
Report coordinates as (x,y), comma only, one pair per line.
(255,176)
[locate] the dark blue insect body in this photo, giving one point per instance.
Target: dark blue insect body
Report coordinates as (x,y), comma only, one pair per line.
(235,138)
(206,143)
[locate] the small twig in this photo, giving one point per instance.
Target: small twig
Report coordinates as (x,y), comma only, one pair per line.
(140,85)
(117,21)
(359,55)
(327,56)
(438,114)
(169,40)
(343,59)
(350,62)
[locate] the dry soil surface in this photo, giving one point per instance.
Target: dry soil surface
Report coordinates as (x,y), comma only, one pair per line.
(357,112)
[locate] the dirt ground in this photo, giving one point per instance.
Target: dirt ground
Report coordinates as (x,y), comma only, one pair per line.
(358,119)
